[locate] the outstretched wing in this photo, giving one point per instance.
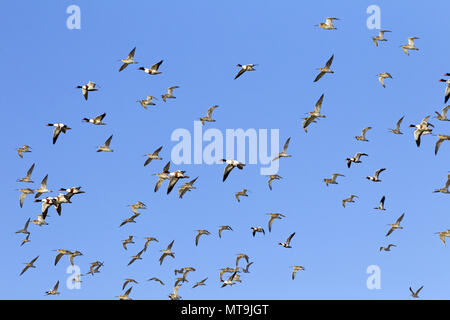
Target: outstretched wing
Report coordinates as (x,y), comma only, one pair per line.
(227,171)
(156,65)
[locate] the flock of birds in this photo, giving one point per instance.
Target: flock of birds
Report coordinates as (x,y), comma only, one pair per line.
(66,194)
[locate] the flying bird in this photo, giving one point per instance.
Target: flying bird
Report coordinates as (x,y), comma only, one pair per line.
(188,186)
(153,156)
(445,188)
(380,37)
(59,127)
(349,199)
(410,45)
(200,283)
(242,193)
(153,69)
(287,244)
(97,120)
(199,233)
(148,101)
(328,25)
(156,280)
(22,150)
(397,127)
(90,86)
(28,176)
(128,60)
(29,265)
(23,195)
(257,229)
(54,290)
(127,241)
(274,216)
(106,147)
(127,281)
(136,257)
(244,68)
(382,76)
(208,117)
(325,69)
(375,176)
(283,154)
(442,138)
(174,177)
(333,179)
(43,188)
(396,225)
(222,228)
(422,128)
(362,137)
(169,94)
(163,175)
(167,252)
(296,269)
(271,178)
(415,294)
(231,164)
(381,206)
(355,159)
(388,248)
(443,115)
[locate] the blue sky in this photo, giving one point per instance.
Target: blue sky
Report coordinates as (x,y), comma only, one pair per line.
(200,43)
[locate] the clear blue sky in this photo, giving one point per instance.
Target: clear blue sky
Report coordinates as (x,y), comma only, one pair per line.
(201,42)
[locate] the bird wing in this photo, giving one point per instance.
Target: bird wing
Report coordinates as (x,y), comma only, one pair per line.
(378,172)
(121,68)
(400,219)
(417,135)
(405,50)
(320,75)
(44,182)
(56,133)
(390,231)
(399,123)
(158,184)
(131,54)
(286,145)
(196,238)
(58,257)
(210,111)
(100,117)
(438,144)
(227,171)
(329,62)
(156,152)
(30,171)
(239,73)
(318,105)
(172,182)
(22,198)
(288,240)
(156,65)
(447,94)
(381,79)
(166,167)
(55,288)
(108,141)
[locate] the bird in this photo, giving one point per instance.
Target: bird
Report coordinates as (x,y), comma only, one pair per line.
(169,93)
(174,177)
(396,225)
(208,117)
(318,106)
(43,188)
(362,137)
(410,45)
(59,127)
(415,294)
(381,206)
(74,254)
(71,191)
(328,25)
(97,120)
(125,296)
(273,177)
(153,69)
(188,186)
(200,283)
(157,280)
(222,228)
(388,248)
(325,69)
(28,176)
(397,127)
(443,115)
(25,228)
(153,156)
(90,86)
(106,147)
(421,128)
(127,241)
(199,233)
(447,89)
(333,179)
(40,221)
(382,76)
(180,279)
(287,244)
(307,121)
(244,68)
(46,203)
(29,265)
(147,242)
(229,281)
(95,267)
(127,281)
(375,176)
(296,269)
(54,290)
(445,188)
(147,102)
(136,257)
(128,60)
(349,199)
(355,159)
(130,219)
(380,37)
(167,252)
(231,164)
(443,234)
(27,239)
(242,193)
(227,270)
(163,175)
(257,229)
(442,138)
(175,295)
(61,253)
(283,154)
(136,206)
(23,195)
(274,216)
(23,149)
(241,256)
(245,270)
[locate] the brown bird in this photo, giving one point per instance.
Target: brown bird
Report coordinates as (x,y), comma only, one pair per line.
(221,228)
(199,233)
(28,176)
(29,265)
(274,216)
(153,156)
(242,193)
(200,283)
